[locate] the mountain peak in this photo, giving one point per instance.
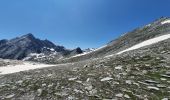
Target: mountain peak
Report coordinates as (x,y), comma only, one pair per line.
(23,46)
(29,35)
(78,49)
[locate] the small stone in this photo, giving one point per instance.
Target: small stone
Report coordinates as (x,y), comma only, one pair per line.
(88,79)
(78,91)
(167,66)
(128,82)
(132,77)
(168,87)
(165,99)
(119,95)
(151,81)
(71,98)
(124,74)
(147,65)
(153,88)
(166,76)
(72,79)
(43,85)
(144,71)
(50,85)
(135,83)
(167,73)
(158,58)
(85,66)
(106,79)
(10,96)
(118,67)
(89,87)
(163,52)
(79,82)
(93,92)
(49,75)
(163,79)
(63,93)
(136,65)
(13,87)
(161,86)
(126,96)
(20,82)
(39,92)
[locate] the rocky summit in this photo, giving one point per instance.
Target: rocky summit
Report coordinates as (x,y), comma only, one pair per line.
(133,67)
(21,47)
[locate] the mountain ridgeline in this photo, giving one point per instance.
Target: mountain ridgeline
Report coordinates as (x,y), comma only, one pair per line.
(157,28)
(21,47)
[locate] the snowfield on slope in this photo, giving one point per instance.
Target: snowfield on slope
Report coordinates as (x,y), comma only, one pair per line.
(22,67)
(146,43)
(143,44)
(165,22)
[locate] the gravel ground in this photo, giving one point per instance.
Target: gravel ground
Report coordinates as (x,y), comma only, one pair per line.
(9,62)
(142,74)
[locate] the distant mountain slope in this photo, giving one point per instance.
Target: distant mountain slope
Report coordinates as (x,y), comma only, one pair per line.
(157,28)
(21,47)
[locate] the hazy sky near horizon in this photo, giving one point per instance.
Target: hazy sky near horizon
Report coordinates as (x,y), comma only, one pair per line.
(77,23)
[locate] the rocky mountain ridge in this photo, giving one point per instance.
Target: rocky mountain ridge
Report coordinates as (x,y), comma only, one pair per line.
(157,28)
(21,47)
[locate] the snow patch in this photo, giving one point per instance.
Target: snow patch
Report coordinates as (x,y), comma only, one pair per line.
(26,58)
(80,54)
(89,50)
(52,49)
(22,67)
(165,22)
(41,55)
(146,43)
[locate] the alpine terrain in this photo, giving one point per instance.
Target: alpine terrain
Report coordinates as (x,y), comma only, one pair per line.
(135,66)
(27,47)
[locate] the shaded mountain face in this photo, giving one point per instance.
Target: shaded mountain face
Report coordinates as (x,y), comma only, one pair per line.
(155,29)
(76,51)
(21,47)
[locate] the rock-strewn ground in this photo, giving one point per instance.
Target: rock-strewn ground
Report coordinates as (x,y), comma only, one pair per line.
(9,62)
(136,75)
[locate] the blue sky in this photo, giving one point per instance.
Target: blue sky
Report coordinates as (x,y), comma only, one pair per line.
(73,23)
